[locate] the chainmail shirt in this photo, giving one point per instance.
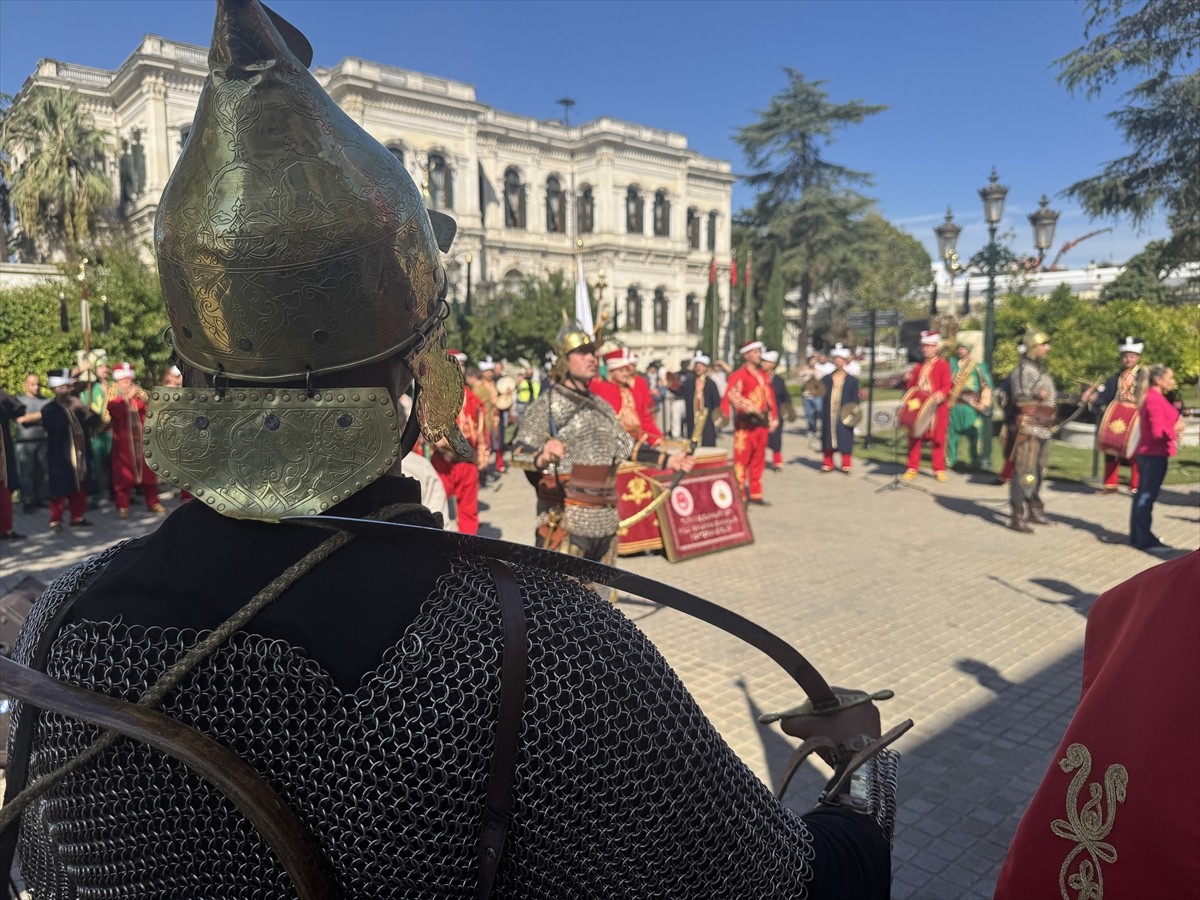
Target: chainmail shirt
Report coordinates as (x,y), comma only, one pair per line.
(591,435)
(623,788)
(1027,379)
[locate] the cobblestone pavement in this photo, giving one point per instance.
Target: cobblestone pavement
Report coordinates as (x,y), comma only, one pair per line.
(978,629)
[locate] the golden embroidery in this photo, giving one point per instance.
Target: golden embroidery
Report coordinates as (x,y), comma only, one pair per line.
(1088,826)
(1117,427)
(637,491)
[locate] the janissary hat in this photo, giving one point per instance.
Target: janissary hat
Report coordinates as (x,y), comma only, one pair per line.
(59,378)
(751,345)
(701,358)
(930,337)
(487,364)
(1131,345)
(616,359)
(840,350)
(457,354)
(122,370)
(770,356)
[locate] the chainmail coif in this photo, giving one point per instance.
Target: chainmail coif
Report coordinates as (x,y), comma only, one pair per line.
(616,764)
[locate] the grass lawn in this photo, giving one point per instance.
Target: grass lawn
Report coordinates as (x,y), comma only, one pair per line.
(1065,463)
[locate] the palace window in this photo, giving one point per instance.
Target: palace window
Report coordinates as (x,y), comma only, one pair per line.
(660,309)
(556,207)
(397,152)
(693,228)
(514,200)
(587,211)
(441,183)
(712,230)
(693,314)
(634,204)
(662,214)
(633,310)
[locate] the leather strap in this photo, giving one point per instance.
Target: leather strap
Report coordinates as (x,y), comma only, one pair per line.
(497,811)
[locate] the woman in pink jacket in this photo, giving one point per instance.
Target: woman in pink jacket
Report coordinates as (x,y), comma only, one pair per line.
(1160,429)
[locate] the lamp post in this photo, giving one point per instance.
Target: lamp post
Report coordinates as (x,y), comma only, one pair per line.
(947,238)
(992,195)
(1043,221)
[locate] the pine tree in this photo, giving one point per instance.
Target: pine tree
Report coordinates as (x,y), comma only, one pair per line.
(772,316)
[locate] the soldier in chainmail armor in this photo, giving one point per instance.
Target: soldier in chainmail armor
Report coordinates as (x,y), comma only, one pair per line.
(360,677)
(1036,400)
(573,441)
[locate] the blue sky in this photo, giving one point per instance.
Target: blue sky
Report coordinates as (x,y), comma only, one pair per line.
(969,83)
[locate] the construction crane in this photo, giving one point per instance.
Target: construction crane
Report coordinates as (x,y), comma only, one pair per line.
(1069,244)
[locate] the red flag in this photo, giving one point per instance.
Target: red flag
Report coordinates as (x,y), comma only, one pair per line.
(733,272)
(712,271)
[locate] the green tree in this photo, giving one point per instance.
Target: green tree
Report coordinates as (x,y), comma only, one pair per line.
(712,323)
(1157,41)
(1142,278)
(54,159)
(891,264)
(773,311)
(31,338)
(1084,335)
(522,320)
(804,200)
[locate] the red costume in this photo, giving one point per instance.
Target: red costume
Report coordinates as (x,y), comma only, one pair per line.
(750,398)
(1115,816)
(932,375)
(460,477)
(634,408)
(129,468)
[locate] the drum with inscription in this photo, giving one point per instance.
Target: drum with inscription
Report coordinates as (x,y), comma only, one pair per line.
(1119,430)
(917,412)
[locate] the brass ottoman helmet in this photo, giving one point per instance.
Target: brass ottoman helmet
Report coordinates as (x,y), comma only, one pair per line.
(290,244)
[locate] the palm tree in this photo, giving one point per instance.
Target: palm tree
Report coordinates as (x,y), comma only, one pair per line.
(54,159)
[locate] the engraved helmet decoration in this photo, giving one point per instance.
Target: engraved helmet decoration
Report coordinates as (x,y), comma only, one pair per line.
(291,243)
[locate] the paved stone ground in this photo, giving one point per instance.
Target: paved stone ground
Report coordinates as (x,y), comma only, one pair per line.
(978,629)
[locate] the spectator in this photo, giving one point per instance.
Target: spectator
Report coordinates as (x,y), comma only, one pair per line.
(30,439)
(1161,426)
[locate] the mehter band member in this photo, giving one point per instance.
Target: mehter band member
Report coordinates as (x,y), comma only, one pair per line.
(701,394)
(127,410)
(750,399)
(1116,402)
(838,412)
(929,382)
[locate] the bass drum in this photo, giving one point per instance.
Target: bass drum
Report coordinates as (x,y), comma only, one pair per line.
(1119,430)
(917,412)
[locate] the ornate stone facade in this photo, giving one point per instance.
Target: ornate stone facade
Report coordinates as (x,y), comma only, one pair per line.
(650,212)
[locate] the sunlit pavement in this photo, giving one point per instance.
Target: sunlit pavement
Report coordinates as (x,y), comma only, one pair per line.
(978,629)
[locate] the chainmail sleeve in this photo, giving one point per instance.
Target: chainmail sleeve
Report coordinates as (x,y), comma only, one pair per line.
(533,432)
(623,788)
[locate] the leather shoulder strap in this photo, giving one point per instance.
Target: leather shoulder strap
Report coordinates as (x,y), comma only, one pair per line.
(497,811)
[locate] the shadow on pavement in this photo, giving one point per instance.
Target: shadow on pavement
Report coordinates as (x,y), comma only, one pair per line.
(989,513)
(988,676)
(1102,534)
(1168,497)
(1072,596)
(777,750)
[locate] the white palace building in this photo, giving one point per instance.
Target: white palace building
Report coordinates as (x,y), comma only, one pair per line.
(650,212)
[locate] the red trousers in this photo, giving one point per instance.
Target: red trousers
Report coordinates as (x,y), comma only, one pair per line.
(6,514)
(150,490)
(938,454)
(461,481)
(1112,472)
(846,461)
(750,459)
(78,502)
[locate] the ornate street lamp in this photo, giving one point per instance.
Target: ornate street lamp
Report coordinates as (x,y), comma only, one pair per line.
(1043,222)
(947,238)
